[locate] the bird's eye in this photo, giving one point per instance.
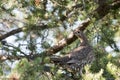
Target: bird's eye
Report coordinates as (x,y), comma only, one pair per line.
(78,32)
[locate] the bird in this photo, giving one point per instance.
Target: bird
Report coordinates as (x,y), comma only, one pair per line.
(78,57)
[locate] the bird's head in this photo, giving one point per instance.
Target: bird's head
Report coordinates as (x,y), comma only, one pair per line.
(78,33)
(81,36)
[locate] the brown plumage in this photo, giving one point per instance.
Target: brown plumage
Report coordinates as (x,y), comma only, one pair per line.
(78,57)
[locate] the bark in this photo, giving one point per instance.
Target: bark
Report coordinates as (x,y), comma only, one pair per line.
(103,10)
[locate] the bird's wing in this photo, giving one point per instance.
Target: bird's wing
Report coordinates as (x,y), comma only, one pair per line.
(80,52)
(60,60)
(75,56)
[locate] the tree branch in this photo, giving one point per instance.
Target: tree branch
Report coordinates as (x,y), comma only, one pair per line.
(15,31)
(99,13)
(103,10)
(71,38)
(10,33)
